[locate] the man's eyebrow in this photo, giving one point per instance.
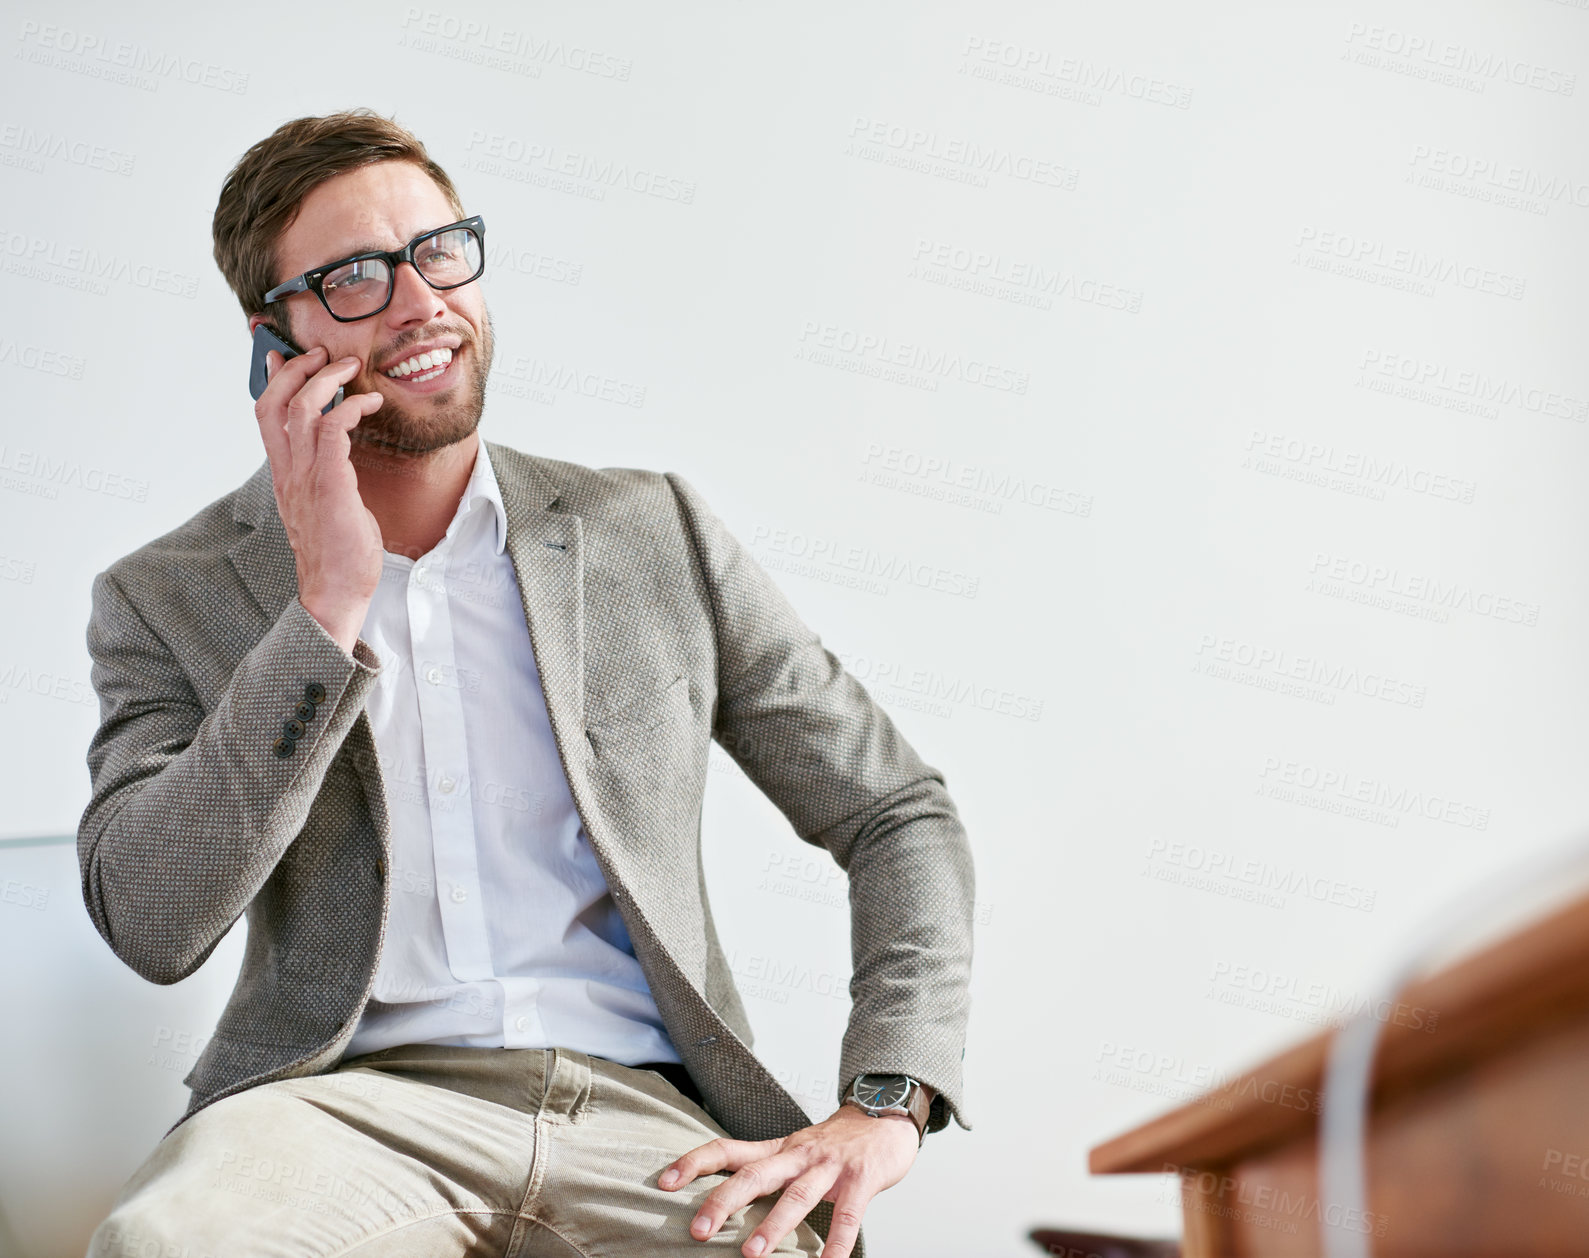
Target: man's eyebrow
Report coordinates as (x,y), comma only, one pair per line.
(371,246)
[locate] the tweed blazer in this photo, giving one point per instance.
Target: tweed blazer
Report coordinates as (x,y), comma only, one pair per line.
(654,631)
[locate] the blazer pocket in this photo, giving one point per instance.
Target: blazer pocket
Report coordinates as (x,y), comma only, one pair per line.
(641,715)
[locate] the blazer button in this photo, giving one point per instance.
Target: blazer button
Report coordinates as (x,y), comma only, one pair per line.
(292,727)
(314,692)
(380,869)
(305,710)
(284,747)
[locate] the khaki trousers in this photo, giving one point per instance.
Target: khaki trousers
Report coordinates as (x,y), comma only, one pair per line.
(431,1151)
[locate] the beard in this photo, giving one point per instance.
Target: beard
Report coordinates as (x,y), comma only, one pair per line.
(404,431)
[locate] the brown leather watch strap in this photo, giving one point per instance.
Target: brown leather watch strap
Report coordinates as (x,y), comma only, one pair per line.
(920,1108)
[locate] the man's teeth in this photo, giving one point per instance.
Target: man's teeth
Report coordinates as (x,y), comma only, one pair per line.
(436,358)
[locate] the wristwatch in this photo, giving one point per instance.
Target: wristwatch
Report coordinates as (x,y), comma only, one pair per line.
(891,1094)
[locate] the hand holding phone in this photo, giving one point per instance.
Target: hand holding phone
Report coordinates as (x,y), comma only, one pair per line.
(264,341)
(335,538)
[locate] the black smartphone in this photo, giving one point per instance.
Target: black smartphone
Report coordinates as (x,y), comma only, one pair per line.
(264,341)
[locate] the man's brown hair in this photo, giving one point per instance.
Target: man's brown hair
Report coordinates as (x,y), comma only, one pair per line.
(261,195)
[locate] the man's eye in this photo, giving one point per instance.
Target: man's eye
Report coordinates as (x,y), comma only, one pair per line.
(350,276)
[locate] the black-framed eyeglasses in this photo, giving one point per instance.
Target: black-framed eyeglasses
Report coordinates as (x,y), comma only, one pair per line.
(358,287)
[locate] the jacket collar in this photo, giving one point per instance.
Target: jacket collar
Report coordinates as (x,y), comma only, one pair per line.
(544,542)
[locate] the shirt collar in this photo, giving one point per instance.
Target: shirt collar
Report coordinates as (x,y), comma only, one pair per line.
(482,487)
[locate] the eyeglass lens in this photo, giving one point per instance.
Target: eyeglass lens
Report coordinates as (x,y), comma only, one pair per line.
(446,260)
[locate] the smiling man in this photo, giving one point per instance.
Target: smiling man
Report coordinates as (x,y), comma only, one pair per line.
(434,714)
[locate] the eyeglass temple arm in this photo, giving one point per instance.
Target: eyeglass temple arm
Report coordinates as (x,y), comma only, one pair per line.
(291,286)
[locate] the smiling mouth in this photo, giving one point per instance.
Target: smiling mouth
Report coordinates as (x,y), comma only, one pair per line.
(422,367)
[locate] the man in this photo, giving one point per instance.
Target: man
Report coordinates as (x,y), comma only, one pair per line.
(435,714)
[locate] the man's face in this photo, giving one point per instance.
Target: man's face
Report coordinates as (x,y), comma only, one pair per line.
(384,206)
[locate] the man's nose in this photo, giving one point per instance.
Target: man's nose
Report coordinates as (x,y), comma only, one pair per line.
(413,300)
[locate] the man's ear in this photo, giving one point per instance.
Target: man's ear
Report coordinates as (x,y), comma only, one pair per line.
(254,320)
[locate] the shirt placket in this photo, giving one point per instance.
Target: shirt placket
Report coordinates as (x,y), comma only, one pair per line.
(441,725)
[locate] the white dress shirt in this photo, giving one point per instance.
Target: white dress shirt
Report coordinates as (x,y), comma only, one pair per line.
(501,930)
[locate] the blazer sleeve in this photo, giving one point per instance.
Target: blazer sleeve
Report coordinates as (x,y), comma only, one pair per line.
(815,742)
(190,811)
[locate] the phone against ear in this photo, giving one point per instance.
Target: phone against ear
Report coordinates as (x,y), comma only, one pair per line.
(264,341)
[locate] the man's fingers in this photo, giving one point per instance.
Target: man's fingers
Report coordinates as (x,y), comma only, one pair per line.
(320,388)
(280,385)
(799,1198)
(304,420)
(846,1226)
(717,1155)
(290,375)
(757,1179)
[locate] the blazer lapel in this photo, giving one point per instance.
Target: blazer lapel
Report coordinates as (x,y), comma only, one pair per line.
(548,553)
(547,549)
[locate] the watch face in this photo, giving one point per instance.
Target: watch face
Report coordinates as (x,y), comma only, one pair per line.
(881,1091)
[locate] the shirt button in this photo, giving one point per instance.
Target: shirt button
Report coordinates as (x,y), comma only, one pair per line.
(433,675)
(521,1024)
(459,895)
(446,785)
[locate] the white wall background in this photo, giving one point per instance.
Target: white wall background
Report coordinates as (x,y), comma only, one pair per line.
(1255,330)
